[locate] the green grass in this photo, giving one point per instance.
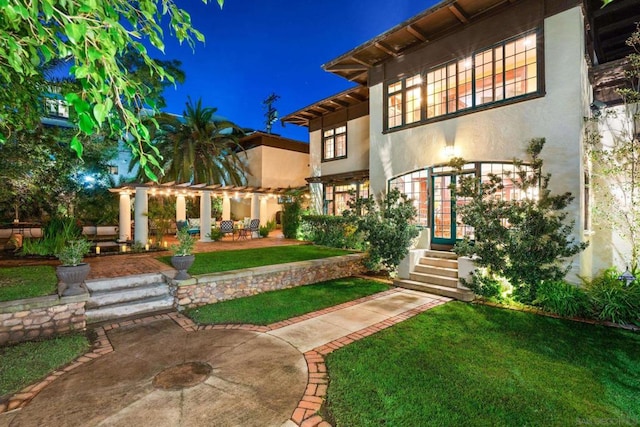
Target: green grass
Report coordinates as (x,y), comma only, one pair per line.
(462,364)
(27,282)
(270,307)
(215,262)
(25,363)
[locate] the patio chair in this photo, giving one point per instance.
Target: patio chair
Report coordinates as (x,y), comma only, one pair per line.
(226,227)
(254,227)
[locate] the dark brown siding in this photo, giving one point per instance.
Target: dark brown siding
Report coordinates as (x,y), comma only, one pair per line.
(520,17)
(340,117)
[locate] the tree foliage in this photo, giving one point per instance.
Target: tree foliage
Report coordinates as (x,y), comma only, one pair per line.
(616,163)
(524,241)
(292,210)
(94,35)
(198,148)
(387,227)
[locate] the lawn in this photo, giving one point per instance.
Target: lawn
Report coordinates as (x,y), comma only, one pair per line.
(270,307)
(27,282)
(25,363)
(215,262)
(462,364)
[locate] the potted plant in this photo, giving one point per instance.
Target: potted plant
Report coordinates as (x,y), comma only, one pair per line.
(73,272)
(182,257)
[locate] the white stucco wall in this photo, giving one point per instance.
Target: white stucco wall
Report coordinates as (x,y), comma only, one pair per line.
(276,167)
(357,149)
(611,244)
(502,133)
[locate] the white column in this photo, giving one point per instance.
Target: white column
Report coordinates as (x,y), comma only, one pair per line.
(140,216)
(205,216)
(255,206)
(124,224)
(181,208)
(226,206)
(263,210)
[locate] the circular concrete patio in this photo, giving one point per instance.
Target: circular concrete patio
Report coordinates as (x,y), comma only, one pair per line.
(256,380)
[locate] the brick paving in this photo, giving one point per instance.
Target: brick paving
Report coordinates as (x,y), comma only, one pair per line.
(305,413)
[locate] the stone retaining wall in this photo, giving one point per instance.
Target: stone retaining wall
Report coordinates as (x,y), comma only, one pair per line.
(211,288)
(42,317)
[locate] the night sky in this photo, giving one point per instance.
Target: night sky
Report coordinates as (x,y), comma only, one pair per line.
(256,47)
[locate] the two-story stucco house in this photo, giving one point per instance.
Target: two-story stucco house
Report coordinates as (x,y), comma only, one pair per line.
(477,80)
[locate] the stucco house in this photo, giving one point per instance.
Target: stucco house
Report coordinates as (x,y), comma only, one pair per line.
(477,80)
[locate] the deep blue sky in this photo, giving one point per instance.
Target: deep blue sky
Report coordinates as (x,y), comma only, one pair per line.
(255,47)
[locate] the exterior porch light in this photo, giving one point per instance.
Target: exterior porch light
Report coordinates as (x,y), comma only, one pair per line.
(627,278)
(449,151)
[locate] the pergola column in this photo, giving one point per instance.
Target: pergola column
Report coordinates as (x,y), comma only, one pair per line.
(226,206)
(141,210)
(255,206)
(263,210)
(205,216)
(181,208)
(124,223)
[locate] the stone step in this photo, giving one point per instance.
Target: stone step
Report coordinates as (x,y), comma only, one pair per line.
(123,295)
(451,282)
(119,311)
(438,262)
(441,254)
(124,282)
(459,294)
(437,271)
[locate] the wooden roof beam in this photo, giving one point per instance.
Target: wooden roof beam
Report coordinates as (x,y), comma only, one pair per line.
(340,102)
(348,67)
(356,97)
(459,13)
(417,33)
(385,48)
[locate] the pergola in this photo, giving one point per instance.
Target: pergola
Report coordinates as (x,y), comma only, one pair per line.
(258,195)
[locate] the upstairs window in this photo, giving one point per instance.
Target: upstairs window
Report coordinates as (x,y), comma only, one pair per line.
(505,71)
(334,143)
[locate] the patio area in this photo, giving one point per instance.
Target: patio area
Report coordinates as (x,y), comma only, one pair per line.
(107,265)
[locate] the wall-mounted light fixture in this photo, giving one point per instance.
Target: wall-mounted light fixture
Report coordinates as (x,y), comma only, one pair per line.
(449,151)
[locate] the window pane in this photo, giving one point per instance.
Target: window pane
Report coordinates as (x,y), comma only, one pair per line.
(341,145)
(465,85)
(484,77)
(395,110)
(451,89)
(328,148)
(414,103)
(436,93)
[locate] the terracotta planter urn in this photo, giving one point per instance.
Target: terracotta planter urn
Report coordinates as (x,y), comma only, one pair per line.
(182,264)
(71,279)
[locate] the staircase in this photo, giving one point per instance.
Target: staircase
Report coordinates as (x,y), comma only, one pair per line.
(116,298)
(436,273)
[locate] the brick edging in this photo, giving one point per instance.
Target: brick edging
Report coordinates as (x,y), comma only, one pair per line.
(306,414)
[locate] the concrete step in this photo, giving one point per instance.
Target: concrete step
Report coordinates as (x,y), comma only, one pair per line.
(451,282)
(437,271)
(459,294)
(116,283)
(438,262)
(123,295)
(119,311)
(441,254)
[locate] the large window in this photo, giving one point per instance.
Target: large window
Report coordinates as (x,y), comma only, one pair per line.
(337,196)
(502,72)
(334,143)
(416,187)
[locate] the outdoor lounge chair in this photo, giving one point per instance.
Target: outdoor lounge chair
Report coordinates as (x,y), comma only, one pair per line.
(226,227)
(254,227)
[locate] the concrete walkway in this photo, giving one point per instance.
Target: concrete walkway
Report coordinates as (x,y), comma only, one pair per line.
(166,371)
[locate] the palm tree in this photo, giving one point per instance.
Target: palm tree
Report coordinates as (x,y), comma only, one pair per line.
(197,148)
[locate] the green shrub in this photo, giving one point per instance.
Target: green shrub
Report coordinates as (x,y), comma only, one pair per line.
(332,231)
(386,226)
(485,285)
(562,298)
(263,231)
(526,241)
(215,234)
(292,214)
(55,235)
(610,299)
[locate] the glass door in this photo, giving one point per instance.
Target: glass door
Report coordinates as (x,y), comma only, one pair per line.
(443,224)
